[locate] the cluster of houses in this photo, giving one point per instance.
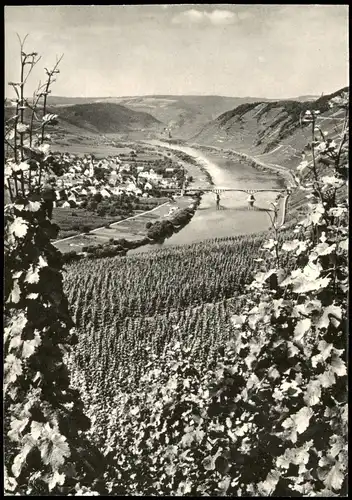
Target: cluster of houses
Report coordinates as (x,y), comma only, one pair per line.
(80,179)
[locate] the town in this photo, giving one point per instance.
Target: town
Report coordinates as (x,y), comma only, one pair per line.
(76,179)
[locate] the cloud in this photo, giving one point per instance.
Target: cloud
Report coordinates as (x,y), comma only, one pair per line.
(216,17)
(221,17)
(261,59)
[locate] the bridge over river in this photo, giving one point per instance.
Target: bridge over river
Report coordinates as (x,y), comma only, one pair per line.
(234,181)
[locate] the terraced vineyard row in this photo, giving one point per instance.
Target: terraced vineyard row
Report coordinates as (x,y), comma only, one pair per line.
(129,309)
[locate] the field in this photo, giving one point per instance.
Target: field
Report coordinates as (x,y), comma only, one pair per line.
(130,228)
(78,220)
(74,221)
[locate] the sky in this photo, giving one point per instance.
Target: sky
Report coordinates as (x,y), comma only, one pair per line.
(256,50)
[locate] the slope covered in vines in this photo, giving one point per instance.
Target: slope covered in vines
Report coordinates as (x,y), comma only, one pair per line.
(198,393)
(127,308)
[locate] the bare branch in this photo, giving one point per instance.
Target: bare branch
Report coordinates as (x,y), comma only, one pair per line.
(22,42)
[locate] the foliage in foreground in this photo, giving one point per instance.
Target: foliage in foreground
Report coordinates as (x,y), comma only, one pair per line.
(47,452)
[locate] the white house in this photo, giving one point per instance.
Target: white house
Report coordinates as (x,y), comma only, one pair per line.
(132,188)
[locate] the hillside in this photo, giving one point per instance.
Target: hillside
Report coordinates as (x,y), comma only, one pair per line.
(88,120)
(270,130)
(107,118)
(184,115)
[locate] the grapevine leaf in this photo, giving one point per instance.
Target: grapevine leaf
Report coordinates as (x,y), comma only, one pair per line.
(44,148)
(20,459)
(298,422)
(303,285)
(301,328)
(56,479)
(34,206)
(224,485)
(270,244)
(37,429)
(325,351)
(10,483)
(17,426)
(338,366)
(313,393)
(262,277)
(292,350)
(268,486)
(289,246)
(296,456)
(336,313)
(209,463)
(12,368)
(337,444)
(54,450)
(32,275)
(15,342)
(16,293)
(334,477)
(19,227)
(307,308)
(344,244)
(237,321)
(327,379)
(29,346)
(187,439)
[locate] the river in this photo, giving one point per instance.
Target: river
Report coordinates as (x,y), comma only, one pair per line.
(233,218)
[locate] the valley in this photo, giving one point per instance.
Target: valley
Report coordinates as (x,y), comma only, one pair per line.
(238,160)
(185,337)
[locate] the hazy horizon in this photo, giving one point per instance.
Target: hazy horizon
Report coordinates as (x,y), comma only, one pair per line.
(260,51)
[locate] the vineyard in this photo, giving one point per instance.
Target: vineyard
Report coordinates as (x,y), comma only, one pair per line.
(213,369)
(127,308)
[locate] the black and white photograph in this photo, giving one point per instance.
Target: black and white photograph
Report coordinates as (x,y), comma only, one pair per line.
(176,237)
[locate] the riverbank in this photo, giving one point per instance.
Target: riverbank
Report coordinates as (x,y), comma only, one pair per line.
(133,229)
(233,218)
(284,174)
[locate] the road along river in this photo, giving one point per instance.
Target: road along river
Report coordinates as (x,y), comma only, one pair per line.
(233,218)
